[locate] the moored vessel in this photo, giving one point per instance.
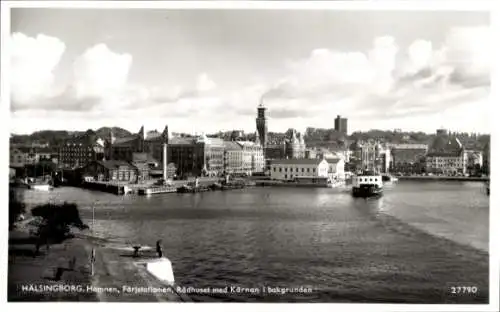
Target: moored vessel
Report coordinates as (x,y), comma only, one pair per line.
(367,184)
(389,178)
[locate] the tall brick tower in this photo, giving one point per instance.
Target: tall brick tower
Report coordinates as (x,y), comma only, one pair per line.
(261,122)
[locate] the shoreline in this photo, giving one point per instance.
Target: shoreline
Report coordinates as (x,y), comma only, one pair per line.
(444,178)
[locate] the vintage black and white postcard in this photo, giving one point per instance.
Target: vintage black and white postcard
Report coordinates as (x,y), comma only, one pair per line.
(251,152)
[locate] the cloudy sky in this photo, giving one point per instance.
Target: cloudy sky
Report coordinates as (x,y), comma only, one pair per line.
(206,70)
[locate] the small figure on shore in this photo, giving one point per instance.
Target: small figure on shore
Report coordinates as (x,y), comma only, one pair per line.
(159,249)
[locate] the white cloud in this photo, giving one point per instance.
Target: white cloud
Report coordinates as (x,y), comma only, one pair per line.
(33,61)
(420,55)
(386,82)
(204,83)
(101,73)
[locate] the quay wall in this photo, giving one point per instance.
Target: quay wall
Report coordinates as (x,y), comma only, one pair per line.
(104,187)
(443,178)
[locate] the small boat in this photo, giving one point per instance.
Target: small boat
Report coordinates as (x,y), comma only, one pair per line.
(367,184)
(41,187)
(185,189)
(388,178)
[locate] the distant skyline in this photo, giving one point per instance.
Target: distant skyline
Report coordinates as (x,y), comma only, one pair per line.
(206,70)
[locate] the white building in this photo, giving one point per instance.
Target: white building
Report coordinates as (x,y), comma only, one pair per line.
(253,157)
(446,156)
(336,168)
(243,157)
(289,169)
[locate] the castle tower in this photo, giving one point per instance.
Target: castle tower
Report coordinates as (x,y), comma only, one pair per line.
(261,122)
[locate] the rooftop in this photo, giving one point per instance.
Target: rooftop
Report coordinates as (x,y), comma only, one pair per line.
(114,164)
(444,154)
(333,160)
(232,146)
(128,139)
(300,161)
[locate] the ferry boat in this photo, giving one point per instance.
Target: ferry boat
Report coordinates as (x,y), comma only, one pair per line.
(367,184)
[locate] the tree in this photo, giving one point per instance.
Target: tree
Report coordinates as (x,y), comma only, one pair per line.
(16,207)
(57,220)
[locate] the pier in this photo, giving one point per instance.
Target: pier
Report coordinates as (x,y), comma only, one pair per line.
(114,188)
(157,190)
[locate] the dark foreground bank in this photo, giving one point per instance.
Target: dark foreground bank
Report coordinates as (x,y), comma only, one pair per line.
(63,273)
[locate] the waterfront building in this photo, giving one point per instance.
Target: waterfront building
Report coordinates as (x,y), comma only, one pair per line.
(295,146)
(253,157)
(275,151)
(29,155)
(289,169)
(111,171)
(233,158)
(384,158)
(124,148)
(261,123)
(446,155)
(79,152)
(336,168)
(200,156)
(408,158)
(213,150)
(369,155)
(474,161)
(187,156)
(341,125)
(154,144)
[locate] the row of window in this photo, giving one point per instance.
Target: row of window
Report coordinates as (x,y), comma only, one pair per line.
(366,179)
(296,169)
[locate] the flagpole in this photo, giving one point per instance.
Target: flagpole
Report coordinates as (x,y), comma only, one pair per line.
(92,256)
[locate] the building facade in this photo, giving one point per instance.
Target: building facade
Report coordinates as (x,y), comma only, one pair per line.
(111,170)
(408,158)
(77,153)
(187,156)
(253,157)
(213,149)
(289,169)
(124,148)
(341,125)
(295,146)
(474,162)
(153,144)
(233,158)
(336,170)
(446,155)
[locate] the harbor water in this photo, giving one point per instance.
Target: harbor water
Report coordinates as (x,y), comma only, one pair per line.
(411,245)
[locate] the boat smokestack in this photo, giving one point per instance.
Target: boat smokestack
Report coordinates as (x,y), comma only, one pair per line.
(164,161)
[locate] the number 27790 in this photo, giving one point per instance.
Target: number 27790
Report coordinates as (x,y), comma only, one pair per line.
(459,290)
